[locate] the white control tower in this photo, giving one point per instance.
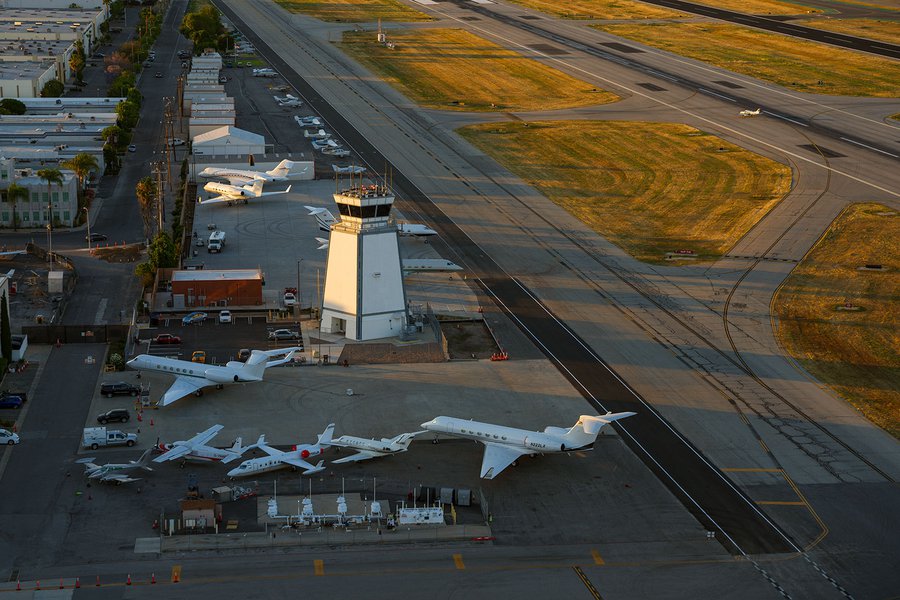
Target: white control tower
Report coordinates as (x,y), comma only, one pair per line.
(364,296)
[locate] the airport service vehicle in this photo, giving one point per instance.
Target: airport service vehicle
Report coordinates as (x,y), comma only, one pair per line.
(233,193)
(277,459)
(367,449)
(167,338)
(118,388)
(196,449)
(216,241)
(284,334)
(194,317)
(191,377)
(115,472)
(8,438)
(117,414)
(94,437)
(235,176)
(504,445)
(325,220)
(225,316)
(199,356)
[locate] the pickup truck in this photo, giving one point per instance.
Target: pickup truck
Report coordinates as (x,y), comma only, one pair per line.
(94,437)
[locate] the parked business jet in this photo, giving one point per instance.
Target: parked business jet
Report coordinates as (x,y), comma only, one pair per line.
(234,193)
(239,176)
(504,445)
(115,472)
(196,449)
(325,220)
(277,459)
(750,113)
(192,377)
(372,448)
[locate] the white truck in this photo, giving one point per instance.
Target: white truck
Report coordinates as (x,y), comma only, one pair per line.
(94,437)
(216,241)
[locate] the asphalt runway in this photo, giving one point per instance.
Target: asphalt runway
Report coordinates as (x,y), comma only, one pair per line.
(715,501)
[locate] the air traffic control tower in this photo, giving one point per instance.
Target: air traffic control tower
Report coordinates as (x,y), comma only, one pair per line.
(364,296)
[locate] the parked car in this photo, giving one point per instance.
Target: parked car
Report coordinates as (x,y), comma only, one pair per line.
(11,402)
(132,148)
(119,388)
(177,142)
(199,356)
(8,437)
(22,395)
(95,237)
(167,338)
(225,316)
(158,75)
(284,334)
(194,317)
(117,414)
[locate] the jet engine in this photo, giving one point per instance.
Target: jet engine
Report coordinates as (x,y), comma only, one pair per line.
(225,375)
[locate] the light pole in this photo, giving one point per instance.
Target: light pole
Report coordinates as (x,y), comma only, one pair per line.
(50,244)
(299,267)
(87,218)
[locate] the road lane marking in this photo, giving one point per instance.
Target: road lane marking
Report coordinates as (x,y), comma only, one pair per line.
(598,560)
(587,583)
(458,561)
(319,567)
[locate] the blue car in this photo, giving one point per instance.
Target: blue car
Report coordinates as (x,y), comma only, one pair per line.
(194,317)
(11,402)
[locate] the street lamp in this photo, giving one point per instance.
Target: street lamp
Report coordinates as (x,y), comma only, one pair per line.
(87,218)
(50,244)
(299,267)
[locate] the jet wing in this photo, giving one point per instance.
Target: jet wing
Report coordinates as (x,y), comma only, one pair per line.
(497,457)
(216,200)
(183,386)
(298,462)
(174,453)
(119,478)
(239,180)
(361,455)
(203,438)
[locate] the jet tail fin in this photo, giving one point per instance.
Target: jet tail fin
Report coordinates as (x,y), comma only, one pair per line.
(325,436)
(585,431)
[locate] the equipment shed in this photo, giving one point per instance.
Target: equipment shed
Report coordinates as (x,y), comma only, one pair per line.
(233,287)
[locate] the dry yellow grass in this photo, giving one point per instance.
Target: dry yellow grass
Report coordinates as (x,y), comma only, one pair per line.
(856,353)
(601,9)
(355,11)
(761,7)
(797,64)
(454,69)
(651,188)
(874,29)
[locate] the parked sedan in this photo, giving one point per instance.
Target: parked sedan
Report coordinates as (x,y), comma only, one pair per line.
(158,75)
(225,316)
(194,317)
(132,148)
(95,237)
(284,334)
(11,402)
(167,338)
(8,437)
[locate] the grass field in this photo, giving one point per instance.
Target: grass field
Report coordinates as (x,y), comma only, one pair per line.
(355,11)
(453,69)
(796,64)
(874,29)
(856,353)
(601,9)
(651,188)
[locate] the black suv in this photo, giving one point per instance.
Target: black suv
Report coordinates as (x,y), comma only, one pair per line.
(117,414)
(119,388)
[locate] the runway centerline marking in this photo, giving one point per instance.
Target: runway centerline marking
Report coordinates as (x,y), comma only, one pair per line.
(587,583)
(869,147)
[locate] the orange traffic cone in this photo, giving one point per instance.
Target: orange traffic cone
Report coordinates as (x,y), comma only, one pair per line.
(128,581)
(140,416)
(175,576)
(152,578)
(77,584)
(98,581)
(151,421)
(18,586)
(61,586)
(37,585)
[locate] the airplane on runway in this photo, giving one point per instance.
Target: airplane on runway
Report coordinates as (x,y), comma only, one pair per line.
(277,459)
(196,449)
(236,176)
(192,377)
(115,472)
(325,220)
(372,448)
(750,113)
(504,445)
(234,193)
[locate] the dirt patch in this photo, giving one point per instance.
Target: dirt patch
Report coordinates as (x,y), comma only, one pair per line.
(119,254)
(468,339)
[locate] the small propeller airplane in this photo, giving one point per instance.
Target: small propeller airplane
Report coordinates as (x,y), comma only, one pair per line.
(234,193)
(372,448)
(115,472)
(196,449)
(278,459)
(750,113)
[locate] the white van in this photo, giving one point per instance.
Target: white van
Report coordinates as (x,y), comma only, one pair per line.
(216,241)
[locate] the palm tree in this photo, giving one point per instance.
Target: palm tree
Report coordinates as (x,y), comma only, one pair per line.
(14,193)
(145,191)
(82,164)
(51,176)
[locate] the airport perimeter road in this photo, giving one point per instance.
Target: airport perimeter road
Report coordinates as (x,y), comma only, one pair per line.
(588,283)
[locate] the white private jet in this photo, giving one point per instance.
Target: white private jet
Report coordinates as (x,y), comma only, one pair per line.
(237,176)
(234,193)
(196,449)
(504,445)
(277,459)
(373,448)
(325,220)
(192,377)
(115,472)
(750,113)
